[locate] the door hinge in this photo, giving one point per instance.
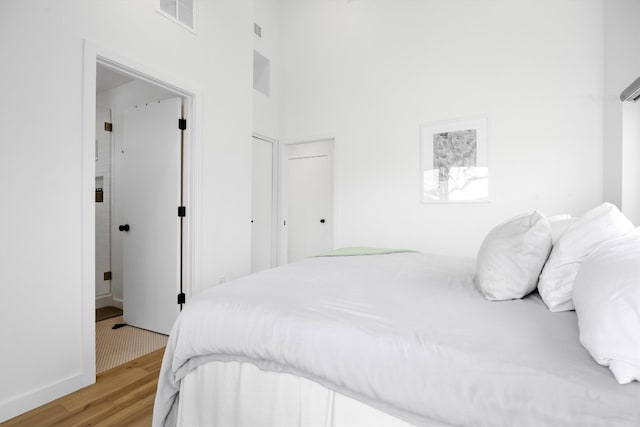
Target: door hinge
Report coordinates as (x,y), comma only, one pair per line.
(107,275)
(182,211)
(108,127)
(182,124)
(182,298)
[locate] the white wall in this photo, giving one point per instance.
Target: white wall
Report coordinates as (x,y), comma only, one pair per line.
(42,280)
(621,67)
(370,72)
(266,108)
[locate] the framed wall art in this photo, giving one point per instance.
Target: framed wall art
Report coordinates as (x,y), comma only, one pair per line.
(454,161)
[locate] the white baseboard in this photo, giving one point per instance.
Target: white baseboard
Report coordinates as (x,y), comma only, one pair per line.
(104,301)
(108,301)
(33,399)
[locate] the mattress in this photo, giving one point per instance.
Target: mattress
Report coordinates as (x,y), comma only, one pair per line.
(407,334)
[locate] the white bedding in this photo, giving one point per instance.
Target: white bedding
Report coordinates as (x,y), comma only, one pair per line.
(408,334)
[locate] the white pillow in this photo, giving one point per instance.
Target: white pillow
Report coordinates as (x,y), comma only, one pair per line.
(607,299)
(512,255)
(598,225)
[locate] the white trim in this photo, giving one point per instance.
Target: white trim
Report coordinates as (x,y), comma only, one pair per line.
(264,138)
(140,72)
(309,138)
(275,205)
(87,148)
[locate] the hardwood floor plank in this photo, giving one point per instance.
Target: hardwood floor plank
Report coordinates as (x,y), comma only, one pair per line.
(122,396)
(128,414)
(92,409)
(102,388)
(45,415)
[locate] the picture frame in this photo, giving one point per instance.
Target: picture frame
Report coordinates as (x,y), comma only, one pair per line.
(454,161)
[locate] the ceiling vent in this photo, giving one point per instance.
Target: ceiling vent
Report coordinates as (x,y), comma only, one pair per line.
(180,11)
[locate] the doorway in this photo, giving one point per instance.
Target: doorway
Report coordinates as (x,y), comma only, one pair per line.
(146,194)
(309,198)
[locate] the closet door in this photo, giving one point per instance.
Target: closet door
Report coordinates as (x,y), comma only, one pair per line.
(309,199)
(262,205)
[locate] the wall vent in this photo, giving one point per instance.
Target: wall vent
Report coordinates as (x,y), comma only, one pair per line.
(257,30)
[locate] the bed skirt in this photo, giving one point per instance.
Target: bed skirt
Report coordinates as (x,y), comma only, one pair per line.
(223,394)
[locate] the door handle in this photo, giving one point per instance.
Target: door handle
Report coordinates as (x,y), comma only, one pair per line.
(322,221)
(123,227)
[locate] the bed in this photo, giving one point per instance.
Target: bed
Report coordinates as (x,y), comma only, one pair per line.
(384,339)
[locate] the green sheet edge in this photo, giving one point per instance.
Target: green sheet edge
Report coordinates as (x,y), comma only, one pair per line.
(356,250)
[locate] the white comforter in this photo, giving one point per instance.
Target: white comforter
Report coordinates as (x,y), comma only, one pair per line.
(408,334)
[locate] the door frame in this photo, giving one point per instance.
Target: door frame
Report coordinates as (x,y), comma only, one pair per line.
(283,235)
(94,55)
(275,193)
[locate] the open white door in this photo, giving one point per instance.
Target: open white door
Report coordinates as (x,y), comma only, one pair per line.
(149,198)
(261,205)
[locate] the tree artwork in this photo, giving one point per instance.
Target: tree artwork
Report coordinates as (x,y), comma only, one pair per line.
(454,161)
(453,151)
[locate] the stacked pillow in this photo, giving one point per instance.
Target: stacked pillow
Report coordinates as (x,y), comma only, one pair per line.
(512,255)
(606,295)
(580,239)
(591,263)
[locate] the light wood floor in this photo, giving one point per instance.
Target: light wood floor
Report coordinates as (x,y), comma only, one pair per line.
(122,396)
